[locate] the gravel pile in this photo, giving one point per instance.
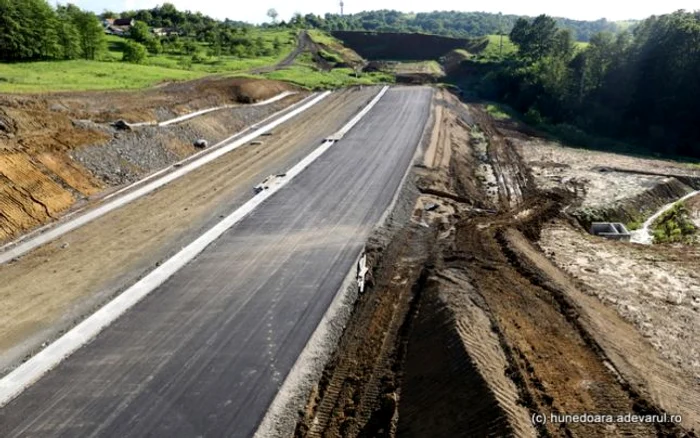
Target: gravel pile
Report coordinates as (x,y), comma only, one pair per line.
(132,154)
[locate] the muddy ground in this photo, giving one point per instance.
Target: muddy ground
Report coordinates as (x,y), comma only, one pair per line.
(492,303)
(60,150)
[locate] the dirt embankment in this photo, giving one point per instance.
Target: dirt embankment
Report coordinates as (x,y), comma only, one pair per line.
(59,149)
(468,328)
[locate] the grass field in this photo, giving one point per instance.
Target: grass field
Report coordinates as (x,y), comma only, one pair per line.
(311,78)
(111,73)
(422,67)
(37,77)
(321,37)
(494,51)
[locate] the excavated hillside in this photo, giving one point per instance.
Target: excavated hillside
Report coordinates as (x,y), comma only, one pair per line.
(400,46)
(58,151)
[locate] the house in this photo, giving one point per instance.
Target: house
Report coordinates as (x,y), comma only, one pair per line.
(124,22)
(164,31)
(118,26)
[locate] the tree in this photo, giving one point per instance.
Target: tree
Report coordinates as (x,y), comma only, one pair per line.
(11,32)
(538,38)
(68,37)
(154,46)
(92,38)
(140,33)
(272,13)
(190,47)
(134,52)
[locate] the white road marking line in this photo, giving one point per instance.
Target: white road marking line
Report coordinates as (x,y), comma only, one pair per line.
(276,422)
(29,372)
(79,221)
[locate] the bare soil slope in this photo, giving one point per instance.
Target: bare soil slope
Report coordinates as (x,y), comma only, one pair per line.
(39,179)
(399,46)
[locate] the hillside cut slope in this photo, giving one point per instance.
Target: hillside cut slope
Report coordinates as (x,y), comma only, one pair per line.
(59,150)
(400,46)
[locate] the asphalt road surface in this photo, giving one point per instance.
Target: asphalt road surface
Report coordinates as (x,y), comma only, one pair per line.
(205,353)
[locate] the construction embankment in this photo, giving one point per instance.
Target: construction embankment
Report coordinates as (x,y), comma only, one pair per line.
(468,328)
(61,151)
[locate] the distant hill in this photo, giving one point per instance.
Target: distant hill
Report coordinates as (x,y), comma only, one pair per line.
(451,23)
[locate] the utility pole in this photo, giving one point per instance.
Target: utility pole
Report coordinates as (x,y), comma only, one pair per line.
(342,5)
(500,25)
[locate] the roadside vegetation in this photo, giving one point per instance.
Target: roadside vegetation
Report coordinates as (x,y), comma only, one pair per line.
(675,226)
(312,78)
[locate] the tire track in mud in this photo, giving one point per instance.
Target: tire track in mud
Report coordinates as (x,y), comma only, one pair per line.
(553,362)
(455,381)
(487,338)
(357,394)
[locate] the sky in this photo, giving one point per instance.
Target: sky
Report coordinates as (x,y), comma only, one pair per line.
(255,11)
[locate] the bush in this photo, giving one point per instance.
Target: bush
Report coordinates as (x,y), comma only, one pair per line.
(185,63)
(330,57)
(198,58)
(154,46)
(533,117)
(674,226)
(633,225)
(134,52)
(190,47)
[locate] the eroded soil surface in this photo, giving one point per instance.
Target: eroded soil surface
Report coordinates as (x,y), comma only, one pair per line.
(59,150)
(492,303)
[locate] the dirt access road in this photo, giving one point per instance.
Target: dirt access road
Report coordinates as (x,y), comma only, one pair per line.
(468,327)
(53,287)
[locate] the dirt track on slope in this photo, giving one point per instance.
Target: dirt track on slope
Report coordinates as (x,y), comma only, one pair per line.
(468,328)
(51,288)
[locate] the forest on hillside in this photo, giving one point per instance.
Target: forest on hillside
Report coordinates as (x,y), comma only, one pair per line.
(640,86)
(32,30)
(450,23)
